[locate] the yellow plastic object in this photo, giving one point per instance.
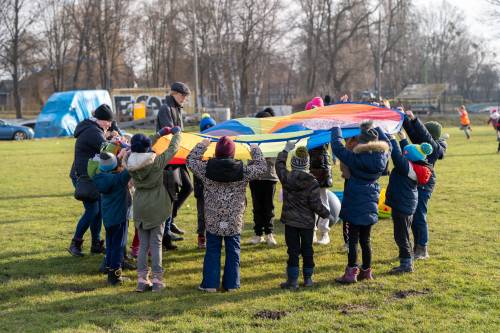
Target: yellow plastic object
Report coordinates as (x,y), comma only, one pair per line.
(384,211)
(139,111)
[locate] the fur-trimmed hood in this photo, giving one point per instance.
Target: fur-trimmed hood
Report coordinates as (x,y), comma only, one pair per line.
(371,147)
(137,161)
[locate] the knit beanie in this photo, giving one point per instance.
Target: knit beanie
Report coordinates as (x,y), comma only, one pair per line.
(225,148)
(300,159)
(434,129)
(368,133)
(417,152)
(104,112)
(140,143)
(107,161)
(267,112)
(206,122)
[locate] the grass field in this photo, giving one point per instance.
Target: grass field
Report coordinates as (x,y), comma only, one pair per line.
(43,288)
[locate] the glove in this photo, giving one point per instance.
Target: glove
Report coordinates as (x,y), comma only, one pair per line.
(289,146)
(336,132)
(165,131)
(253,145)
(401,135)
(175,130)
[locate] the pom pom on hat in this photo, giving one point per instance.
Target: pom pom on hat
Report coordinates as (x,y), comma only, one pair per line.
(417,152)
(206,122)
(300,159)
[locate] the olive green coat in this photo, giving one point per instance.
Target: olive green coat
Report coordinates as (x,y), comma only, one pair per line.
(151,202)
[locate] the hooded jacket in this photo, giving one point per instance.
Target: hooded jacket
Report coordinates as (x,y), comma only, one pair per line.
(366,164)
(152,204)
(114,195)
(320,166)
(225,181)
(402,194)
(89,139)
(301,196)
(419,134)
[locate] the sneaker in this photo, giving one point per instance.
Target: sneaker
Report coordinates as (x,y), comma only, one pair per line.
(256,240)
(401,270)
(324,238)
(207,290)
(175,237)
(270,240)
(176,230)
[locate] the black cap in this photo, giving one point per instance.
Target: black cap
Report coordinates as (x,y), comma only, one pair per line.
(180,87)
(104,112)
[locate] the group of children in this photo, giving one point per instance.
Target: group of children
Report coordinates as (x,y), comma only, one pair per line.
(222,182)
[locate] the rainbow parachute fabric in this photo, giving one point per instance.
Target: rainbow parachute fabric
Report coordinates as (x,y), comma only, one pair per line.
(311,128)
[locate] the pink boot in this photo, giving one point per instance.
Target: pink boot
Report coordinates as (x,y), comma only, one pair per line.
(365,274)
(158,284)
(350,275)
(143,282)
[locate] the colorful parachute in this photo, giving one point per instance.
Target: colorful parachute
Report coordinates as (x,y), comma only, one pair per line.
(311,127)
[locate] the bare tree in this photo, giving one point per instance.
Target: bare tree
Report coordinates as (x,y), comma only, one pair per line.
(14,47)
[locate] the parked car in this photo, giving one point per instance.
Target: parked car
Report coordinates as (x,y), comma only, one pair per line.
(15,132)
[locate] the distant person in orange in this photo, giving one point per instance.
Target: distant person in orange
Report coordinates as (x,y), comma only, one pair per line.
(464,121)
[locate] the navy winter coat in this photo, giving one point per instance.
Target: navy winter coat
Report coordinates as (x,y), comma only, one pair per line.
(114,191)
(366,163)
(89,138)
(402,194)
(419,134)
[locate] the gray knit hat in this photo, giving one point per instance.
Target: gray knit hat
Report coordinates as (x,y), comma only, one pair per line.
(300,160)
(107,161)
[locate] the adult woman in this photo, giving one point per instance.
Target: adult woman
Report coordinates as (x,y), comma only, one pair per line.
(90,135)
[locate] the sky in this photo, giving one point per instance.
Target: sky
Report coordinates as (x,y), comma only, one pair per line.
(476,13)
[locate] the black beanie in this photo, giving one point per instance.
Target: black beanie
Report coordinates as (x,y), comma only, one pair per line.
(104,112)
(267,112)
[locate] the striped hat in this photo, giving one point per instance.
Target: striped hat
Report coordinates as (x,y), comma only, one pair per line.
(107,161)
(300,160)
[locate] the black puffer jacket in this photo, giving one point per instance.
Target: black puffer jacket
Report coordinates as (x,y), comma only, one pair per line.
(301,196)
(320,166)
(89,139)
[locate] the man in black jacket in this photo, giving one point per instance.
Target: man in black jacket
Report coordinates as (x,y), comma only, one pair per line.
(177,180)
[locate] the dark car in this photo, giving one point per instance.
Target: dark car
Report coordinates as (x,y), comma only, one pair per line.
(15,132)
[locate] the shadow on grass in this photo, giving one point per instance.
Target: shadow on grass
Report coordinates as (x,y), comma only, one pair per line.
(37,196)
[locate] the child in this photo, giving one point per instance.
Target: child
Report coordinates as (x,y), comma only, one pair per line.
(494,119)
(152,204)
(205,123)
(112,183)
(301,201)
(410,169)
(464,121)
(224,180)
(366,164)
(418,133)
(262,191)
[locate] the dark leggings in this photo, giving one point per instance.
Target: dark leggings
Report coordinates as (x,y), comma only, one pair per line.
(361,234)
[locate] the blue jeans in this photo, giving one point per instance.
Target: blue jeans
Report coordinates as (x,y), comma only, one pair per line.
(116,240)
(419,227)
(91,218)
(211,263)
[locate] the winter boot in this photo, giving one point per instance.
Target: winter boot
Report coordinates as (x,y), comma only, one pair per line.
(421,252)
(115,277)
(97,247)
(365,274)
(158,284)
(174,237)
(167,243)
(202,242)
(143,282)
(270,240)
(405,266)
(128,265)
(307,274)
(324,238)
(176,230)
(350,275)
(75,248)
(292,281)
